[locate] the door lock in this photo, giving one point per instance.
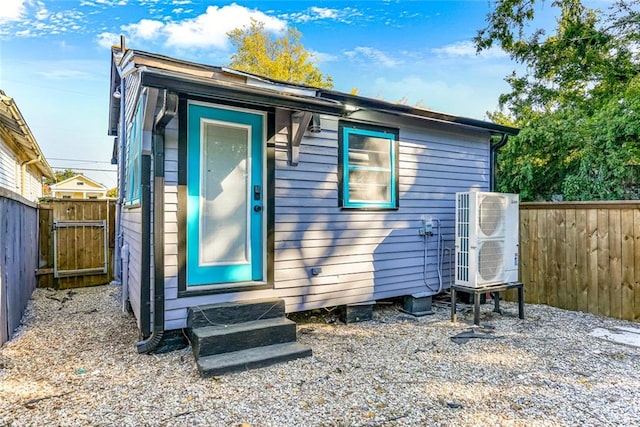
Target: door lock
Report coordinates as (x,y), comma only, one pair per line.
(257,208)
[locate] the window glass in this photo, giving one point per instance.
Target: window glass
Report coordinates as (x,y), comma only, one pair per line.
(368,167)
(134,150)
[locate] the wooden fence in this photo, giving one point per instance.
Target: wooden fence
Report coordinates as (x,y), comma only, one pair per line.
(18,259)
(77,238)
(582,256)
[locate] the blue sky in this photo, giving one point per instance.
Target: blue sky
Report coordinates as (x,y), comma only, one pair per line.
(55,57)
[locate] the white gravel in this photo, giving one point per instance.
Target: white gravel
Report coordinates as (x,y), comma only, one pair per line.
(73,362)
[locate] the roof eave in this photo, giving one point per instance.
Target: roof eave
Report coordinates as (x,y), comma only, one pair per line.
(25,139)
(228,91)
(319,101)
(358,102)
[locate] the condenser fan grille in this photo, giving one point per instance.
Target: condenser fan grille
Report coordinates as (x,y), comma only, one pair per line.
(490,259)
(491,215)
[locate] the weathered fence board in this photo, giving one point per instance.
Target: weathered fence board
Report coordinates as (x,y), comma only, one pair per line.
(79,250)
(582,256)
(18,259)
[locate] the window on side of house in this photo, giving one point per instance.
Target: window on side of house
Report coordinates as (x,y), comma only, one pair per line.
(368,166)
(134,153)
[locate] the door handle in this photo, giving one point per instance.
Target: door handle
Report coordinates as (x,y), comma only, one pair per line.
(257,208)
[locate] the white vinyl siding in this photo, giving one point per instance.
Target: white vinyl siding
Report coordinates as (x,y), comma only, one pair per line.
(33,184)
(11,175)
(8,169)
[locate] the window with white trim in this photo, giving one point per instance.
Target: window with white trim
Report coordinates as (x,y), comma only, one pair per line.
(368,166)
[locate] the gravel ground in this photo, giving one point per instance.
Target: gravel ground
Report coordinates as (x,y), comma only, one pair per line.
(73,363)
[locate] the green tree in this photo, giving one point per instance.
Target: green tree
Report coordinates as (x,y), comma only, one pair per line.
(61,175)
(113,192)
(280,58)
(577,103)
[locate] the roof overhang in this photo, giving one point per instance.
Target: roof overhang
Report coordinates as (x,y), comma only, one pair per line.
(15,130)
(229,91)
(228,85)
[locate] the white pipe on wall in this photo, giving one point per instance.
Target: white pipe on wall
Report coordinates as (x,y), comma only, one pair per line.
(125,277)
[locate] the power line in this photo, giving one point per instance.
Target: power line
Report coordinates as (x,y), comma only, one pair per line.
(76,160)
(83,169)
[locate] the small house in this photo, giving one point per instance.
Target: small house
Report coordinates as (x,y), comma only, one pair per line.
(78,187)
(22,169)
(237,188)
(22,164)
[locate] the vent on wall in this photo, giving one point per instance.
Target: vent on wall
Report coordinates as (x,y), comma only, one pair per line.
(486,238)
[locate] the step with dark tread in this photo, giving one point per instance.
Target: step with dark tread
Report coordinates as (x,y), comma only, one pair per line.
(234,312)
(224,339)
(251,358)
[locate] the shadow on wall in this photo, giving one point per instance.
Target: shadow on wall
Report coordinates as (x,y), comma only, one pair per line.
(407,262)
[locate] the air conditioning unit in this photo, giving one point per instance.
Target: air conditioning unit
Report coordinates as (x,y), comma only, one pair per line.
(486,238)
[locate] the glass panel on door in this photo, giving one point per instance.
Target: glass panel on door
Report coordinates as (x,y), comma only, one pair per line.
(225,241)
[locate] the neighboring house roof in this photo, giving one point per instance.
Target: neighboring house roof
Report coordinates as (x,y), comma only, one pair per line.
(163,72)
(71,185)
(15,130)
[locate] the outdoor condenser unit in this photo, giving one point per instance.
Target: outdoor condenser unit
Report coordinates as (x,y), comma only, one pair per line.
(486,238)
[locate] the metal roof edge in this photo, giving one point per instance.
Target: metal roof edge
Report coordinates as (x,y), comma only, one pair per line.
(237,92)
(297,97)
(355,101)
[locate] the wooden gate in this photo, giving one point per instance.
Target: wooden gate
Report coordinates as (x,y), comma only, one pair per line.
(76,243)
(79,248)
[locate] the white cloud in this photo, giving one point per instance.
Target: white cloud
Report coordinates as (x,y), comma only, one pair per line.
(204,31)
(467,49)
(370,54)
(42,13)
(316,13)
(33,19)
(107,40)
(12,10)
(324,12)
(323,57)
(111,3)
(210,29)
(145,29)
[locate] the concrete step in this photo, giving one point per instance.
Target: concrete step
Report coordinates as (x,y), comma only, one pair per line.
(234,312)
(251,358)
(211,340)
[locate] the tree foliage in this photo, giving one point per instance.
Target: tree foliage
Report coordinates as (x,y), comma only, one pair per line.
(281,58)
(113,193)
(61,175)
(577,102)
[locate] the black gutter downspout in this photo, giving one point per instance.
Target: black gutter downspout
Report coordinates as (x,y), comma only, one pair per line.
(494,160)
(145,250)
(166,114)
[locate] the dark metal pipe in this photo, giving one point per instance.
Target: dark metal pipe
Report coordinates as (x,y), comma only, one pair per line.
(493,161)
(145,250)
(167,113)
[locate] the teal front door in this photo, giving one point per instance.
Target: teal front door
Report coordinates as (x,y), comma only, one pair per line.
(225,205)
